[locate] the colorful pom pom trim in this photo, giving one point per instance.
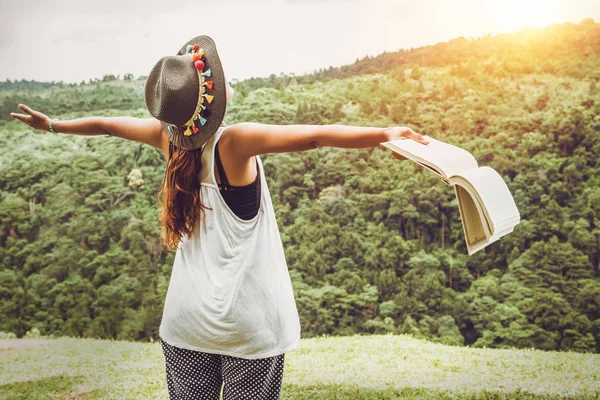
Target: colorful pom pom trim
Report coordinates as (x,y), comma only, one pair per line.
(197,55)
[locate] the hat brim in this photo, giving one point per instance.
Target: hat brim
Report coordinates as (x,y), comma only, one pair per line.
(218,105)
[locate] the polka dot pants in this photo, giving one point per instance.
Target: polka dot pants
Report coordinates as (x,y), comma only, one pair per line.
(198,375)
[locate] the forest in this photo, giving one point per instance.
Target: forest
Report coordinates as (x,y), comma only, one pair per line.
(373,244)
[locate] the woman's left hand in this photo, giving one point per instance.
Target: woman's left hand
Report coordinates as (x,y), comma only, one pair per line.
(35,119)
(401,132)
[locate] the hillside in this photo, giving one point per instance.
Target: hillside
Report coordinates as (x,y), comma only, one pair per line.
(373,245)
(375,367)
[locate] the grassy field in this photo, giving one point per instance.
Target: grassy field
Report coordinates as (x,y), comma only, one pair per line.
(358,367)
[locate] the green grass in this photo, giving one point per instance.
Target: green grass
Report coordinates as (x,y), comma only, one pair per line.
(358,367)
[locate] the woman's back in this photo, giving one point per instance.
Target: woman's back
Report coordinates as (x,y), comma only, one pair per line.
(230,291)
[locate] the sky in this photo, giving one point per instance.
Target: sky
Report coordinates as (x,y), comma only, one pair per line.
(76,40)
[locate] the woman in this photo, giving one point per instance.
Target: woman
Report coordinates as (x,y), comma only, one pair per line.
(230,314)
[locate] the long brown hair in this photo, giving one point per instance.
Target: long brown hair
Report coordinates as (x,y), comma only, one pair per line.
(180,194)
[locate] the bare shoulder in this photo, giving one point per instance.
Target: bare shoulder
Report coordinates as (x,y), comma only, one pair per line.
(234,138)
(247,139)
(239,167)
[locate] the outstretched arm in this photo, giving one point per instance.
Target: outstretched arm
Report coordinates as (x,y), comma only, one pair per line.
(249,139)
(143,130)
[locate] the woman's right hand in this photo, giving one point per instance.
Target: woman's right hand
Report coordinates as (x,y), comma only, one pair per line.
(402,132)
(35,119)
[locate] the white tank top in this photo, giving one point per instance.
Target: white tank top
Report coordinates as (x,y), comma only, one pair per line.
(230,291)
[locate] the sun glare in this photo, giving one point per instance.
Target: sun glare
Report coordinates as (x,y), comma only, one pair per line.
(512,15)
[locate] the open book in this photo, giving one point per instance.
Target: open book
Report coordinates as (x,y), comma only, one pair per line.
(487,208)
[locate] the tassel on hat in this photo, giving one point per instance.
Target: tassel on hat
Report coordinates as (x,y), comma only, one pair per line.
(197,54)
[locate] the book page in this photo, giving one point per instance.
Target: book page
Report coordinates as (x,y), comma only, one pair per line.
(472,223)
(442,156)
(492,194)
(472,249)
(419,161)
(479,207)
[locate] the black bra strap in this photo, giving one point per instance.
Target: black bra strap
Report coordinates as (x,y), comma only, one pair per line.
(224,181)
(222,175)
